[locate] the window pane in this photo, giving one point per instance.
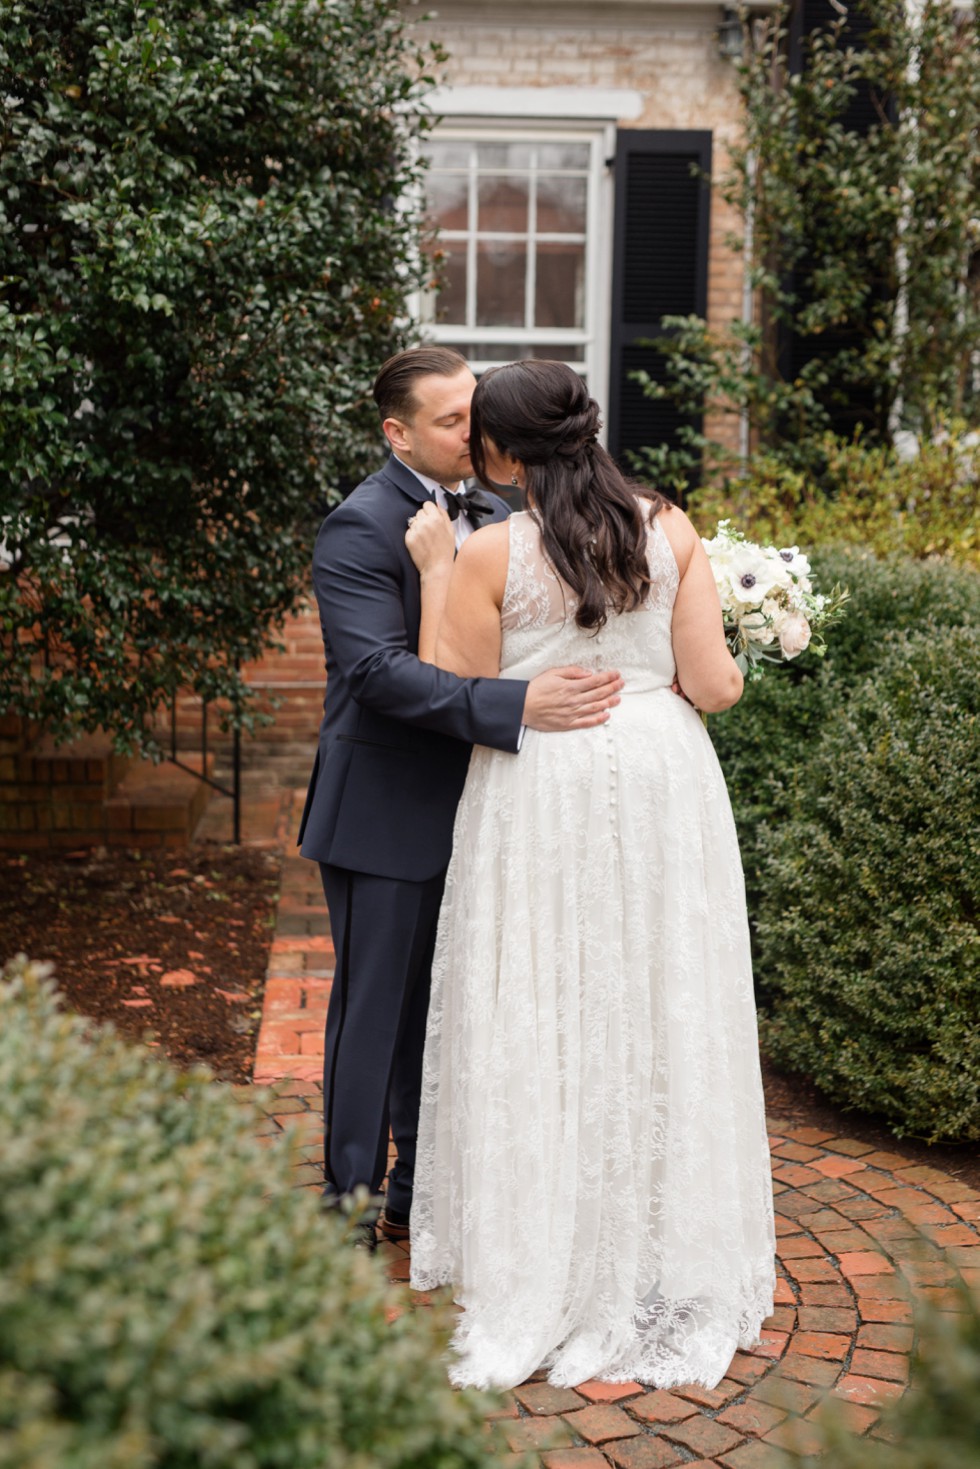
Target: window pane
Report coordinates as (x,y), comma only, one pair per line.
(446,198)
(502,157)
(502,204)
(448,155)
(516,189)
(500,274)
(563,155)
(559,296)
(450,303)
(518,351)
(561,206)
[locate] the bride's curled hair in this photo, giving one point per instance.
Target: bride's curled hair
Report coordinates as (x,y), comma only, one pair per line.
(592,529)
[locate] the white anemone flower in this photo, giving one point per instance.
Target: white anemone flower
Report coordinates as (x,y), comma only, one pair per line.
(794,561)
(749,576)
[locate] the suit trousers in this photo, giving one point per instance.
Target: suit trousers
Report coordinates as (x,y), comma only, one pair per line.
(384,933)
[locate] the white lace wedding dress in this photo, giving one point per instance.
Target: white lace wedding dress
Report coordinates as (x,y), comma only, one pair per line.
(593,1174)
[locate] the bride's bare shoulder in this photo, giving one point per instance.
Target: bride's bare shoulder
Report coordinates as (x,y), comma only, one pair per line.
(489,540)
(484,554)
(680,533)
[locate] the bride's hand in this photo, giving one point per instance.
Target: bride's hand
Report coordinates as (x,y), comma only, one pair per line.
(431,539)
(675,688)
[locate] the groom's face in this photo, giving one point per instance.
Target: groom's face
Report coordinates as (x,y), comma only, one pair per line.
(435,440)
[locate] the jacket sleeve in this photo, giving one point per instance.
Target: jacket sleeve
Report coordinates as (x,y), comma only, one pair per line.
(356,577)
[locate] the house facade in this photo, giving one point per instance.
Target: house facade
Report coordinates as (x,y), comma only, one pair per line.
(569,184)
(566,184)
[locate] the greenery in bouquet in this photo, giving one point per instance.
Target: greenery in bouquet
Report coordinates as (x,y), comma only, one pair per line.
(771,609)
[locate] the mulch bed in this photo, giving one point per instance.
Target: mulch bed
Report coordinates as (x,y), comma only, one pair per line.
(171,947)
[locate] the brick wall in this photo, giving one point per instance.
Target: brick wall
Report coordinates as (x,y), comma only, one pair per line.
(295,678)
(84,794)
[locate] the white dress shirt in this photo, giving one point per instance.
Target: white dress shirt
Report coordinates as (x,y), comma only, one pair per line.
(461,525)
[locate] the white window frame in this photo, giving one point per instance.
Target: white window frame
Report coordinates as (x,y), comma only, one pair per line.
(583,340)
(558,114)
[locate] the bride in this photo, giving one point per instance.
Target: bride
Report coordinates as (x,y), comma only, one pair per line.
(593,1173)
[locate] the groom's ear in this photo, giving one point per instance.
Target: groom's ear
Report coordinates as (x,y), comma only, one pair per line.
(395,432)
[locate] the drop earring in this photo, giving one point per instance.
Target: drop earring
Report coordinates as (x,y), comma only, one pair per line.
(513,479)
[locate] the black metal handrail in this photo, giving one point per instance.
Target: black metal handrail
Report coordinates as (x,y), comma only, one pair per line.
(235,792)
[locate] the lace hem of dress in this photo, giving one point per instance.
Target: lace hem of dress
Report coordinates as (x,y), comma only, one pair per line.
(668,1343)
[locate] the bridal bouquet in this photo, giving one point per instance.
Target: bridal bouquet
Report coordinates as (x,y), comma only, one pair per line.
(771,610)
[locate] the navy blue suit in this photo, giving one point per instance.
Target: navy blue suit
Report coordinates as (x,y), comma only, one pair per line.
(391,762)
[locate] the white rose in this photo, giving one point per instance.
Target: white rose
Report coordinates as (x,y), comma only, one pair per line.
(773,615)
(794,634)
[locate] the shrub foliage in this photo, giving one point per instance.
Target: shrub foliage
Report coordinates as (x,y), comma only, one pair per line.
(865,496)
(867,922)
(858,170)
(170,1299)
(201,266)
(766,743)
(844,793)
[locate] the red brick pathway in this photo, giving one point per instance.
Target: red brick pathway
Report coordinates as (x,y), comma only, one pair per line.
(862,1234)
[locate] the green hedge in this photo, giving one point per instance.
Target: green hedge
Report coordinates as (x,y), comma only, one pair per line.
(867,921)
(766,743)
(169,1299)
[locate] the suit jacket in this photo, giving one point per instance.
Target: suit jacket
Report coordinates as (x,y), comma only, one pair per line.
(396,733)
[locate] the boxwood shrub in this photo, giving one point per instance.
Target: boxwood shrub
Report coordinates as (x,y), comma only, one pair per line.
(766,742)
(867,917)
(169,1299)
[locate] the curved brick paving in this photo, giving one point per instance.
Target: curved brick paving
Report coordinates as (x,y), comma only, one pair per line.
(861,1235)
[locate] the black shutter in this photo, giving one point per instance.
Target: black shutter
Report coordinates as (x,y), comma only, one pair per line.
(816,15)
(864,110)
(660,268)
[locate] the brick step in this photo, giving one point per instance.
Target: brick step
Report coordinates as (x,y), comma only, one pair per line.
(85,795)
(157,805)
(280,671)
(296,720)
(88,762)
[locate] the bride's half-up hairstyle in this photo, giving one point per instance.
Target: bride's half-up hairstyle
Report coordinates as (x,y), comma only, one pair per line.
(592,529)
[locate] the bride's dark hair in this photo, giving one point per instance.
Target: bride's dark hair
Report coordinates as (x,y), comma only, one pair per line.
(592,529)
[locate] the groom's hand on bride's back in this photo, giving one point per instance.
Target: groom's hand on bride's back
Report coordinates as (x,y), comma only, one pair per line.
(570,698)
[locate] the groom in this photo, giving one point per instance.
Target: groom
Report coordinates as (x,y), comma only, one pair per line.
(393,750)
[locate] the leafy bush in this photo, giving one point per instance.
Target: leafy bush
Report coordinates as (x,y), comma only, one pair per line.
(201,266)
(866,496)
(857,165)
(867,918)
(169,1298)
(767,741)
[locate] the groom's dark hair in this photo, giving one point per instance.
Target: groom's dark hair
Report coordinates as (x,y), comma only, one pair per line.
(394,386)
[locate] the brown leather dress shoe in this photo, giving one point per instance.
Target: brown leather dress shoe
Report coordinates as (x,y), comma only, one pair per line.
(394,1225)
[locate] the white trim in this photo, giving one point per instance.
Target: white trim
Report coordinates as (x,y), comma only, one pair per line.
(542,12)
(569,104)
(590,342)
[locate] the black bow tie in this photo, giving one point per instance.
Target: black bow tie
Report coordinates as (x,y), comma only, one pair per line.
(473,503)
